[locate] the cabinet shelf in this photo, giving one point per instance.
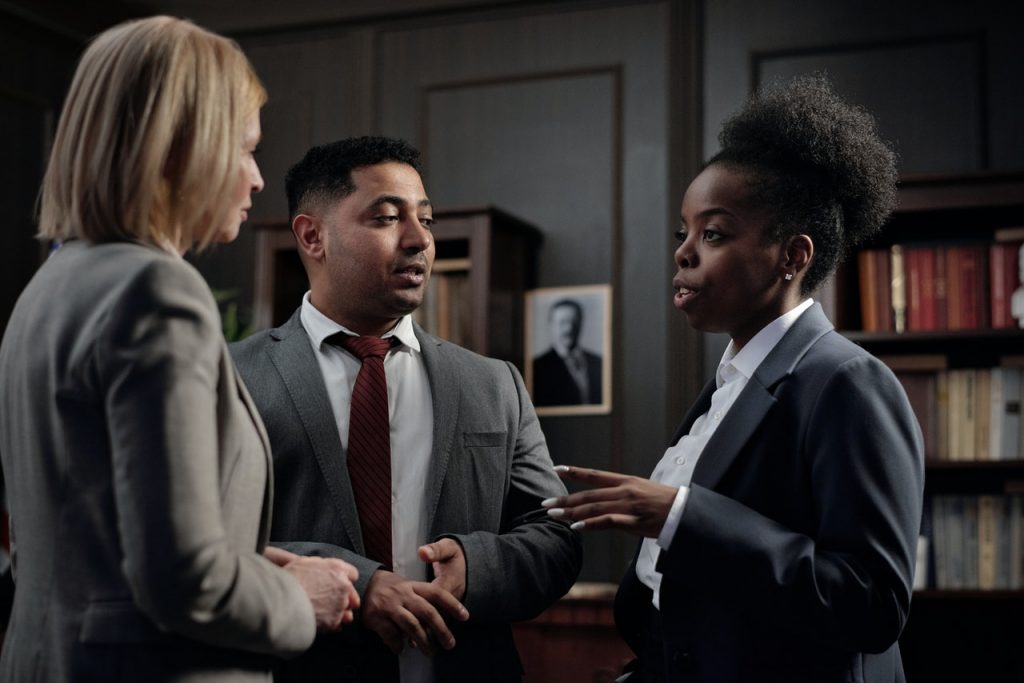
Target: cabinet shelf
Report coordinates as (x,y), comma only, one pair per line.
(932,595)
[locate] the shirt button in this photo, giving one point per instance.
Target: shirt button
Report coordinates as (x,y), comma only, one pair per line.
(718,415)
(681,460)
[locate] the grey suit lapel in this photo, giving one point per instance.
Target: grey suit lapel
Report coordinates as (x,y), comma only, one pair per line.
(758,397)
(254,415)
(442,373)
(293,357)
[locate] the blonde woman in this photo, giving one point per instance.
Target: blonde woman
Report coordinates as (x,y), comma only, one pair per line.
(138,472)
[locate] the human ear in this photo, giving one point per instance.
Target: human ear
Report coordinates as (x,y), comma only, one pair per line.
(307,231)
(799,251)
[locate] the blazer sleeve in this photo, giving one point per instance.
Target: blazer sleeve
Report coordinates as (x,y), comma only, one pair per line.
(159,367)
(534,560)
(849,580)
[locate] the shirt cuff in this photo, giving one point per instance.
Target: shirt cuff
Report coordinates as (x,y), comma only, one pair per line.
(675,513)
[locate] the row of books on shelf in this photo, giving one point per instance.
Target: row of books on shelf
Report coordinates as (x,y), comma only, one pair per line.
(969,414)
(976,542)
(921,288)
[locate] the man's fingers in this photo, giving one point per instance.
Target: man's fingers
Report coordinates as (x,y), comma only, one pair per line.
(441,599)
(431,619)
(410,624)
(439,551)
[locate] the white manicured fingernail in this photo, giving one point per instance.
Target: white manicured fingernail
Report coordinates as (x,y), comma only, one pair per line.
(576,526)
(561,468)
(548,502)
(556,512)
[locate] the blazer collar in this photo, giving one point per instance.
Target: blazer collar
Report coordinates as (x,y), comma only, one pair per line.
(756,399)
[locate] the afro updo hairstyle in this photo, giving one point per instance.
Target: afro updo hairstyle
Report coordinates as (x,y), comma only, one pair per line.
(817,163)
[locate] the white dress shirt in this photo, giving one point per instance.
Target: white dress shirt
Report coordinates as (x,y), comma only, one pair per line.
(677,465)
(412,428)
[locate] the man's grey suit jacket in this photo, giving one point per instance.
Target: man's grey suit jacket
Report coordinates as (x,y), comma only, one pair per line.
(490,470)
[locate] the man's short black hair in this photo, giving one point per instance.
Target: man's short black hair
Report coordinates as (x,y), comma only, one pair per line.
(325,172)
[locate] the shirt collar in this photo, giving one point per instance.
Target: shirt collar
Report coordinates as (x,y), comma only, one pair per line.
(745,361)
(319,326)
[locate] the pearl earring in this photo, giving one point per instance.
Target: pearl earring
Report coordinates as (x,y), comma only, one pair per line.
(788,276)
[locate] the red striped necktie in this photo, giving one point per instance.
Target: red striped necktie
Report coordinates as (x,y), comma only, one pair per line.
(369,444)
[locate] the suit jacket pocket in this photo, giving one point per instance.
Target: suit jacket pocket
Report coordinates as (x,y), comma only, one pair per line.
(115,622)
(476,479)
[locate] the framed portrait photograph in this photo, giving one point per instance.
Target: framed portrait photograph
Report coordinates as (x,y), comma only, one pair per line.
(568,350)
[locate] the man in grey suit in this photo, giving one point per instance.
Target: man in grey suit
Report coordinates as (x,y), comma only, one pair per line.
(471,548)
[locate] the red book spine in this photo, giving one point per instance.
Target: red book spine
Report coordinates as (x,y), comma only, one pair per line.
(926,259)
(1004,278)
(941,315)
(974,283)
(953,288)
(915,302)
(868,283)
(883,290)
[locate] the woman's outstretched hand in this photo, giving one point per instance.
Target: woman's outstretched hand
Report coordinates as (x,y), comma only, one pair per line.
(615,501)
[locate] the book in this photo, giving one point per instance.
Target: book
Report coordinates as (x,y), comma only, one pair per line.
(982,413)
(986,542)
(969,411)
(1016,529)
(875,280)
(1004,420)
(940,552)
(970,542)
(1003,555)
(955,405)
(955,556)
(921,391)
(914,284)
(954,288)
(975,304)
(940,303)
(898,289)
(1004,280)
(868,282)
(942,428)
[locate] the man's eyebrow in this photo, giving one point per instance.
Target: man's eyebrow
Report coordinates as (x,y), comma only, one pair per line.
(395,201)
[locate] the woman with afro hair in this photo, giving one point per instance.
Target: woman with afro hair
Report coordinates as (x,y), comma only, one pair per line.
(779,529)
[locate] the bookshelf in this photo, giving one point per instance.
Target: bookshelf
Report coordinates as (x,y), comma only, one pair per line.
(966,623)
(485,261)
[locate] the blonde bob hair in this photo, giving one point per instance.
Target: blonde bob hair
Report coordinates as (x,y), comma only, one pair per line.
(149,141)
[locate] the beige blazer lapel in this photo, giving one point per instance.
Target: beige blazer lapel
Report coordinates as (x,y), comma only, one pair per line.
(268,496)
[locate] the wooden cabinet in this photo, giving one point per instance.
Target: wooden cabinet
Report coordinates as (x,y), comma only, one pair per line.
(965,624)
(574,640)
(485,262)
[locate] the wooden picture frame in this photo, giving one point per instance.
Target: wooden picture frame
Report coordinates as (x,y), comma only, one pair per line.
(568,350)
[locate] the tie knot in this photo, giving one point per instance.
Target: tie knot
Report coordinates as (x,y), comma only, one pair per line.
(365,347)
